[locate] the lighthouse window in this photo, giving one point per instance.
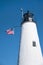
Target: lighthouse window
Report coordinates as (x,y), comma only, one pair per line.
(34,43)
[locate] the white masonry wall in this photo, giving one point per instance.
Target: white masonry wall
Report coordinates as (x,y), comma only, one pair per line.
(30,54)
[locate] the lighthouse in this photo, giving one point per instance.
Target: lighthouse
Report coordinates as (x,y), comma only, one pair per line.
(30,50)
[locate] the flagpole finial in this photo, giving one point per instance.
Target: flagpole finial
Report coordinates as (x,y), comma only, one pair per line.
(22,12)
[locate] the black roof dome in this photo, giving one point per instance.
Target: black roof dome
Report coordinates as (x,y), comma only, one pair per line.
(26,17)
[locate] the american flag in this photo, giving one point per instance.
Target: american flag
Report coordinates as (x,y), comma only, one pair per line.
(10,31)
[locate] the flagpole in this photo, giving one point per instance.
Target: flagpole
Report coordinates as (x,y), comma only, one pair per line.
(22,18)
(22,12)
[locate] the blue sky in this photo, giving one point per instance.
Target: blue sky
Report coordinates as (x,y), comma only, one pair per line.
(10,16)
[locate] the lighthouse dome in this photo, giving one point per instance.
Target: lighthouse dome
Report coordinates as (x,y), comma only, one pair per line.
(27,17)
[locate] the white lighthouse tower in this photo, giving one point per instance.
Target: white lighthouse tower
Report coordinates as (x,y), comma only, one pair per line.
(30,50)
